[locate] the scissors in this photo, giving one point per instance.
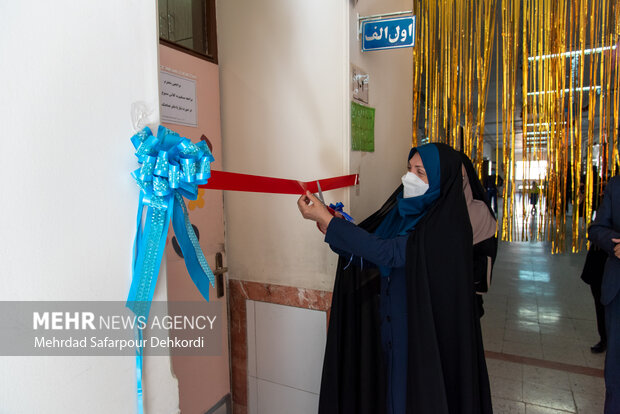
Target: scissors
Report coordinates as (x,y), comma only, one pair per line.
(319,196)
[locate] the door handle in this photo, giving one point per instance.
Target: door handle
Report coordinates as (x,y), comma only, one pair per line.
(219,274)
(219,269)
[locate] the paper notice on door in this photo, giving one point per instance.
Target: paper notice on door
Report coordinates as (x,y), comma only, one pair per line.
(177,99)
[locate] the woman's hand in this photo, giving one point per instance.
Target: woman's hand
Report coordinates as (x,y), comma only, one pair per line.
(616,247)
(311,208)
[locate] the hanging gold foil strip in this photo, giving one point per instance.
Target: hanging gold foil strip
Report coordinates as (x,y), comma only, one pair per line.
(614,161)
(510,46)
(418,64)
(525,147)
(497,147)
(603,108)
(595,30)
(484,48)
(578,129)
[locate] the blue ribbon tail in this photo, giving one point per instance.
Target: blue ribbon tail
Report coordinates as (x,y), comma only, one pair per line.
(347,217)
(149,247)
(138,237)
(139,392)
(195,261)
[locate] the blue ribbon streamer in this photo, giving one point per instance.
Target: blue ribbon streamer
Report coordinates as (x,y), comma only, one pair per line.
(139,392)
(172,167)
(339,208)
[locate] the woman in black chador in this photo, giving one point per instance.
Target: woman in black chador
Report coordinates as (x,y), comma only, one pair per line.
(404,332)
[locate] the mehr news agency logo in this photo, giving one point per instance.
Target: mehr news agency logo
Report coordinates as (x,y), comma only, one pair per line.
(87,321)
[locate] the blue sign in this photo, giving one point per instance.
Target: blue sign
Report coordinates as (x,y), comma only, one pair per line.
(388,33)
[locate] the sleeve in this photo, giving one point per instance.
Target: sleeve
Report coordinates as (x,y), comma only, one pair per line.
(345,236)
(339,252)
(601,231)
(355,260)
(484,258)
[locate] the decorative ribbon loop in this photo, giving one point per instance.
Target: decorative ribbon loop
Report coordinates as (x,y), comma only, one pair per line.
(174,175)
(161,167)
(146,172)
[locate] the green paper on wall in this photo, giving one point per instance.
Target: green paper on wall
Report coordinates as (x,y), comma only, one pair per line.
(362,128)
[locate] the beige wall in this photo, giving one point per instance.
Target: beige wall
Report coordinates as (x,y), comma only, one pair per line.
(284,95)
(390,93)
(285,113)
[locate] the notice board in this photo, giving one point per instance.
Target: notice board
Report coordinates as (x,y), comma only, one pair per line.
(362,128)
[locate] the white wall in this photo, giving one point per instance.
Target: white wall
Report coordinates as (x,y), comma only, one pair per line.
(286,346)
(390,93)
(284,94)
(70,72)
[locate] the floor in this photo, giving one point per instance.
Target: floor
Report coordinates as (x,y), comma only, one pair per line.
(538,328)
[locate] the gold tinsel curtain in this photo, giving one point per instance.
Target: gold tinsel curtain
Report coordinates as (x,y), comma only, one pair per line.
(558,77)
(451,66)
(569,113)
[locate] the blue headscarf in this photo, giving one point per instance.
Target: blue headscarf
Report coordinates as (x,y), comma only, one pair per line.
(408,211)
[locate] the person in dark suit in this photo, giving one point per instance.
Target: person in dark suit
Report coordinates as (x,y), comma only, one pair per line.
(593,270)
(592,274)
(605,232)
(492,183)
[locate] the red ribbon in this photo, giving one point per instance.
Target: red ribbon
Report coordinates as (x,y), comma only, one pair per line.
(221,180)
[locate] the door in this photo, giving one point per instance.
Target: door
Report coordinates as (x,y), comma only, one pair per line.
(204,382)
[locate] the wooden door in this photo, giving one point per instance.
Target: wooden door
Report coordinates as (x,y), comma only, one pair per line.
(204,382)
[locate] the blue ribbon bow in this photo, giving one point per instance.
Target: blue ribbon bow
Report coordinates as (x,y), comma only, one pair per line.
(339,208)
(172,167)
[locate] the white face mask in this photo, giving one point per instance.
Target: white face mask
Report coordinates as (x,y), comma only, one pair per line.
(413,185)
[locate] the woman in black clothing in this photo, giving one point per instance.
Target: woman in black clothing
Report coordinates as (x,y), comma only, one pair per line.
(445,367)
